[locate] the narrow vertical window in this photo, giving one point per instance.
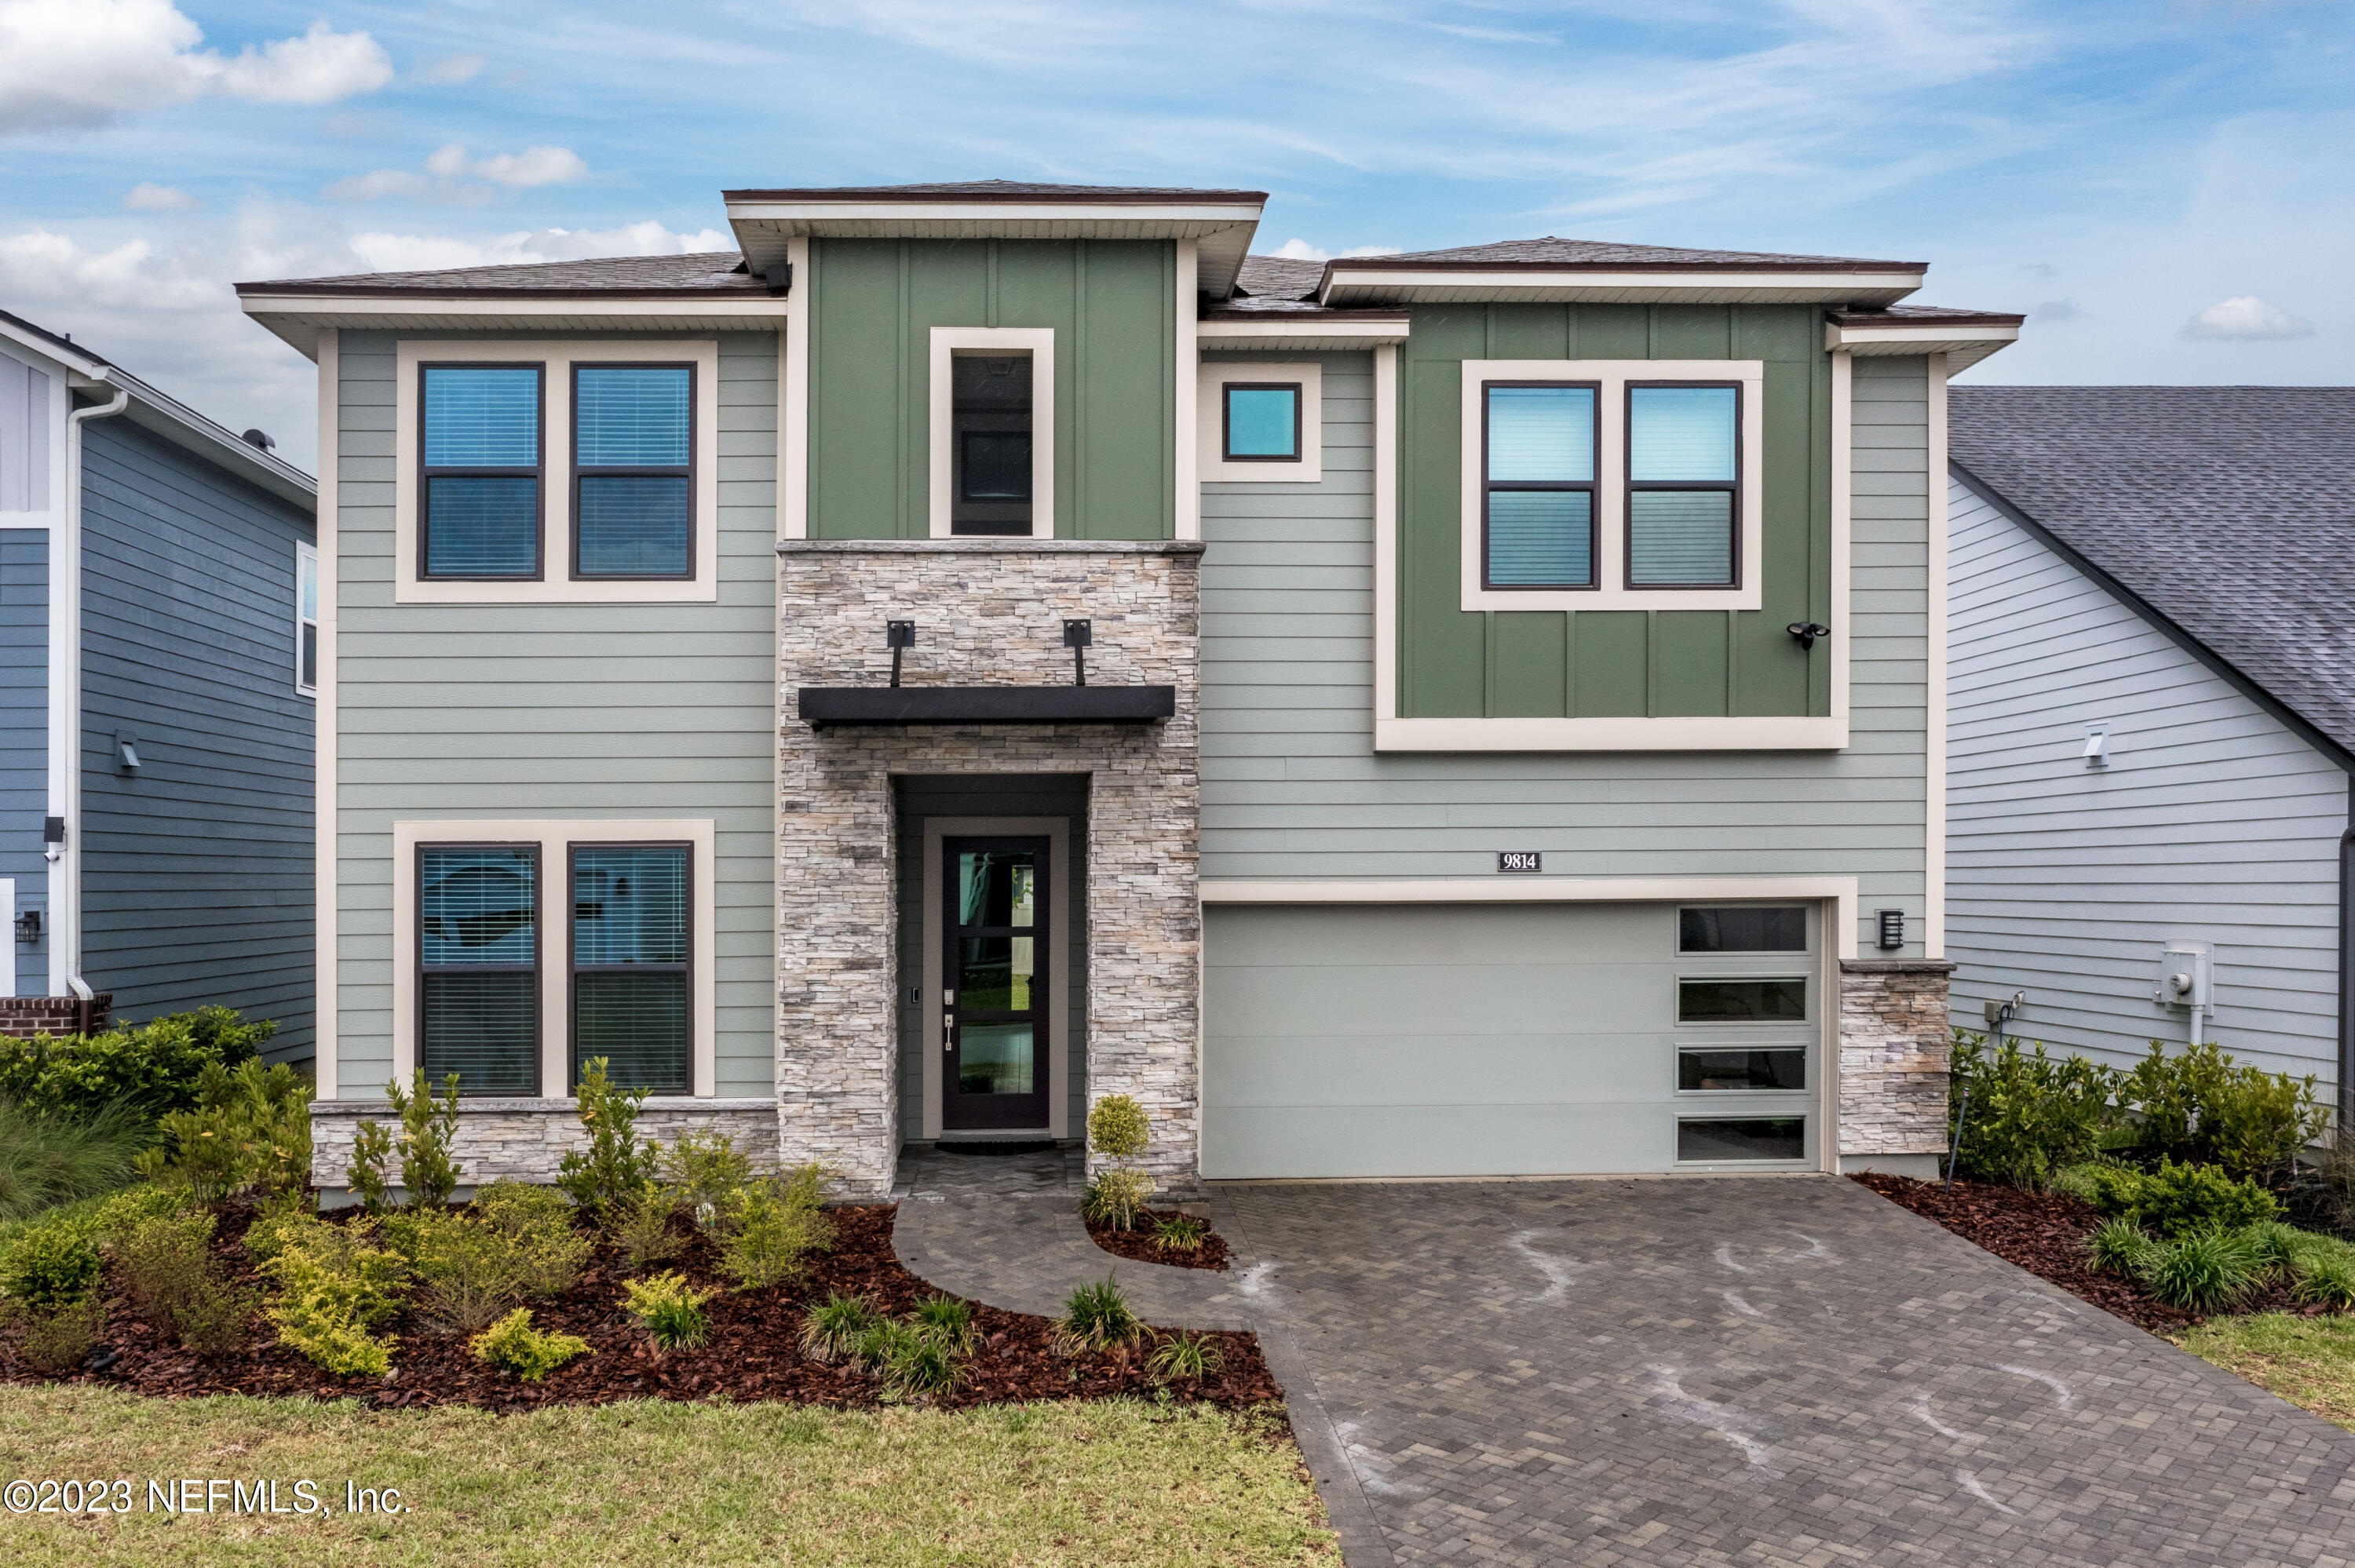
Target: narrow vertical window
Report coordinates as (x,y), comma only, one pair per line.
(478,965)
(1683,470)
(633,482)
(306,619)
(990,444)
(632,964)
(1538,463)
(1260,421)
(481,458)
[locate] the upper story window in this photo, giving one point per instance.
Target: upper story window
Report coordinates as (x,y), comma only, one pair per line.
(1683,475)
(992,448)
(1612,485)
(1259,421)
(632,470)
(306,619)
(481,471)
(1538,489)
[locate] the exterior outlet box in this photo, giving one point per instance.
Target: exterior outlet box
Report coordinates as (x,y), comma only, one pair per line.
(2183,976)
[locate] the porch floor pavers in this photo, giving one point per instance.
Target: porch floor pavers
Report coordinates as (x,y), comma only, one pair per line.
(1747,1370)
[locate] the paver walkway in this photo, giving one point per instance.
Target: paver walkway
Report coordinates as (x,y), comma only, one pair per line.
(1759,1370)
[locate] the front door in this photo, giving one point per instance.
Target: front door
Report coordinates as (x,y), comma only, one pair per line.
(995,978)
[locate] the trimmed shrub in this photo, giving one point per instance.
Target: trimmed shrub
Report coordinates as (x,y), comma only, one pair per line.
(540,1222)
(334,1288)
(514,1345)
(251,1130)
(49,1160)
(705,1171)
(285,1221)
(771,1232)
(1117,1127)
(2029,1116)
(167,1267)
(150,1068)
(670,1312)
(641,1225)
(2176,1200)
(49,1267)
(467,1273)
(520,1206)
(617,1166)
(58,1343)
(2197,1108)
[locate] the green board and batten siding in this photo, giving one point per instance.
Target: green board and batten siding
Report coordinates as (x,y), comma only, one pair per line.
(559,710)
(1110,304)
(1455,663)
(1291,787)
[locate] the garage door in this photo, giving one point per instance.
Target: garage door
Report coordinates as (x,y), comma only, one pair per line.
(1474,1039)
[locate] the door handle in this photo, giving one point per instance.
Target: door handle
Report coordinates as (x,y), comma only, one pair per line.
(948,1020)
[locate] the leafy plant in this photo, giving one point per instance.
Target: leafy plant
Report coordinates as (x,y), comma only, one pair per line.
(428,1128)
(2120,1247)
(47,1159)
(946,1321)
(1180,1233)
(467,1273)
(2201,1272)
(834,1329)
(770,1233)
(167,1267)
(58,1341)
(1117,1127)
(2197,1108)
(706,1171)
(917,1366)
(514,1345)
(2030,1115)
(616,1165)
(250,1128)
(50,1266)
(369,1175)
(1115,1197)
(334,1288)
(2327,1280)
(521,1206)
(148,1069)
(1097,1316)
(538,1222)
(2176,1200)
(1185,1357)
(285,1221)
(640,1224)
(669,1311)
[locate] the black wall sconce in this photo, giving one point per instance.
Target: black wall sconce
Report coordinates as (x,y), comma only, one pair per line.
(1806,631)
(1892,928)
(1079,636)
(897,636)
(28,928)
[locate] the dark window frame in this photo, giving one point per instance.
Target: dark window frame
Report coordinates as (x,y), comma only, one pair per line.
(688,470)
(306,627)
(539,956)
(537,474)
(1299,391)
(573,968)
(1593,487)
(1630,485)
(1808,1005)
(1805,1053)
(1806,941)
(1807,1121)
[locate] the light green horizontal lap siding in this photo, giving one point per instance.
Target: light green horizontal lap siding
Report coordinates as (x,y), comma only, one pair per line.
(559,710)
(1613,664)
(874,303)
(1292,787)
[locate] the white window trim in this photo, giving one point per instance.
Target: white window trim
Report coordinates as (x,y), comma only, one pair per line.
(1610,487)
(1039,343)
(304,555)
(1210,422)
(555,933)
(556,585)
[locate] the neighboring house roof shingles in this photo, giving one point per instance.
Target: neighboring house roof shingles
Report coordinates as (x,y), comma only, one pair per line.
(997,190)
(1549,251)
(2229,511)
(712,270)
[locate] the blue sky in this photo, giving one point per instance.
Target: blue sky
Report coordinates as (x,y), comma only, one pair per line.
(2166,188)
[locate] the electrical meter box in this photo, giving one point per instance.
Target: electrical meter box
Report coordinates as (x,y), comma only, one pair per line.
(2183,977)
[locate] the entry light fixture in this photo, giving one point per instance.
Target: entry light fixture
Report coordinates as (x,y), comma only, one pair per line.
(1806,631)
(1892,928)
(28,928)
(1079,636)
(897,636)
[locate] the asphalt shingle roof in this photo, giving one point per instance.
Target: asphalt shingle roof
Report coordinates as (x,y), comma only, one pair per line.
(1549,251)
(993,189)
(2229,510)
(711,270)
(1279,277)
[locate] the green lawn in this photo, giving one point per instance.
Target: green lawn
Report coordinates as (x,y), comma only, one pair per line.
(658,1483)
(2309,1362)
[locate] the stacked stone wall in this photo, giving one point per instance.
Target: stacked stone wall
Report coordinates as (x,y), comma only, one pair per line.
(1894,1056)
(526,1139)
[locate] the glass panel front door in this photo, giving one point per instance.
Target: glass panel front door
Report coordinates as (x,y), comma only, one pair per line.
(995,983)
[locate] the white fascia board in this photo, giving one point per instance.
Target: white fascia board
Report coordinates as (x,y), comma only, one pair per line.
(1679,734)
(1826,288)
(1308,334)
(811,215)
(1962,346)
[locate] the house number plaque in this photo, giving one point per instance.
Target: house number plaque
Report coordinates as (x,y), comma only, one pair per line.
(1519,860)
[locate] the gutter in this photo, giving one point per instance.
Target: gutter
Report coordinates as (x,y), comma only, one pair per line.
(65,703)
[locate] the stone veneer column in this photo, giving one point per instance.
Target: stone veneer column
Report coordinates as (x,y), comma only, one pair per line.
(988,612)
(1894,1046)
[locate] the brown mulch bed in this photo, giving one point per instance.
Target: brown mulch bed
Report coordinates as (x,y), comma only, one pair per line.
(1139,1246)
(2044,1232)
(752,1353)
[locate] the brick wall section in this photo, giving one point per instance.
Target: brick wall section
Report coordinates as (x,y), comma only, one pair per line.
(988,612)
(25,1016)
(524,1140)
(1893,1055)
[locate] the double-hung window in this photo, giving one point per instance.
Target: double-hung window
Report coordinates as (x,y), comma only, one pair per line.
(478,965)
(480,476)
(632,963)
(1684,474)
(632,470)
(1538,444)
(306,619)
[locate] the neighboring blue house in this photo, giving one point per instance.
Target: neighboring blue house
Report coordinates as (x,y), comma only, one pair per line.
(158,644)
(2151,726)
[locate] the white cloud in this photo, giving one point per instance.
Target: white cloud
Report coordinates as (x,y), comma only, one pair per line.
(72,65)
(1299,249)
(376,184)
(451,167)
(450,69)
(2247,319)
(420,252)
(149,196)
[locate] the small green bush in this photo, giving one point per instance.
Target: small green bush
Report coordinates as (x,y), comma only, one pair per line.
(617,1166)
(2197,1108)
(917,1366)
(428,1128)
(540,1222)
(468,1273)
(641,1225)
(369,1175)
(46,1161)
(2176,1200)
(1097,1316)
(948,1321)
(249,1129)
(835,1329)
(770,1233)
(150,1068)
(705,1171)
(1117,1127)
(334,1288)
(288,1220)
(1180,1233)
(2327,1278)
(167,1268)
(1187,1358)
(669,1311)
(1115,1197)
(50,1266)
(514,1345)
(58,1341)
(2029,1116)
(520,1206)
(2120,1247)
(2202,1271)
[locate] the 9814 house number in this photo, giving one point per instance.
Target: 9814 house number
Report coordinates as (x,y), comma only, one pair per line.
(1519,860)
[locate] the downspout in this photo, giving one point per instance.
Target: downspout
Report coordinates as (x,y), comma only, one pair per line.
(2347,981)
(65,716)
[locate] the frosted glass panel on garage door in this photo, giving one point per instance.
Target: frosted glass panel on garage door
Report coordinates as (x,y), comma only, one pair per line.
(1462,1040)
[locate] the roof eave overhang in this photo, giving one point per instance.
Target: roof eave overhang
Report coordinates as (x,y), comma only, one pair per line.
(1964,344)
(1613,285)
(1222,230)
(298,318)
(182,425)
(1303,333)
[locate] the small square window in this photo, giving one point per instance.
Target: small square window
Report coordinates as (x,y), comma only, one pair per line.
(1261,422)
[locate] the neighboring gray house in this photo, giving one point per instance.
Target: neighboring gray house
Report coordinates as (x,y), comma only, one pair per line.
(2152,717)
(1508,743)
(156,651)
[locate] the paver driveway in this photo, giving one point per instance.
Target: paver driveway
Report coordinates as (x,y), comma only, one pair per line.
(1759,1370)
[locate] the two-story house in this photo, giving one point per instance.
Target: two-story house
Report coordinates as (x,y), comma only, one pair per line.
(982,647)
